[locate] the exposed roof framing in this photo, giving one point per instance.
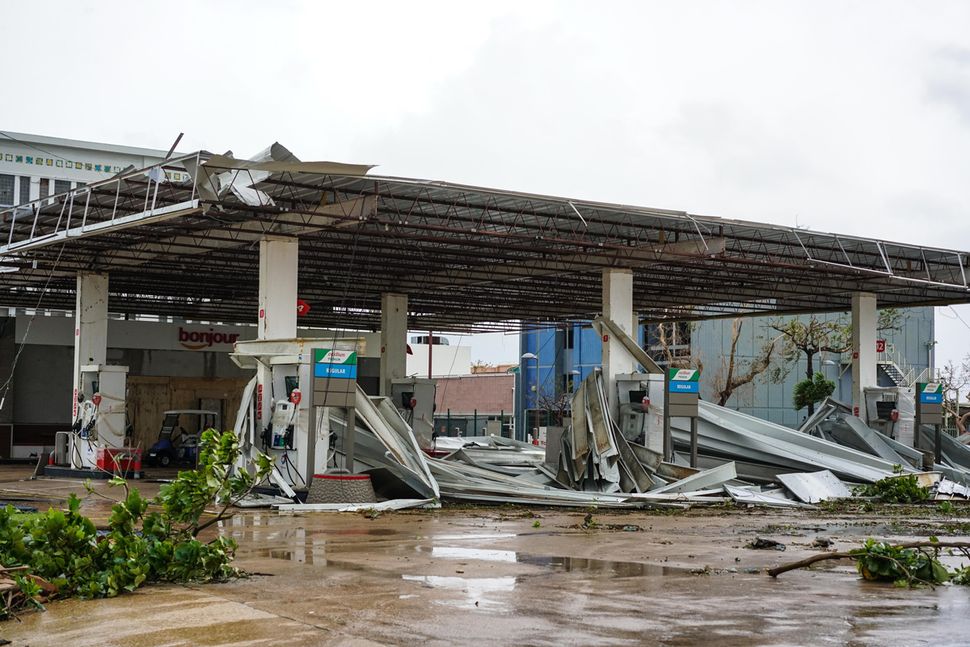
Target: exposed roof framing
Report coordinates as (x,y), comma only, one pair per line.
(470,259)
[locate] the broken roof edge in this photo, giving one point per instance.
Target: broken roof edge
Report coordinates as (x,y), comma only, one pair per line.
(360,171)
(657,212)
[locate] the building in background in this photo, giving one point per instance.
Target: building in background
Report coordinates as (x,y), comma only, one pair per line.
(446,359)
(553,359)
(33,167)
(475,405)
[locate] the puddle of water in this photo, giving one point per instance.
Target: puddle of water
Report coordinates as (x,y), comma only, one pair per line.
(497,535)
(471,592)
(614,569)
(568,564)
(454,552)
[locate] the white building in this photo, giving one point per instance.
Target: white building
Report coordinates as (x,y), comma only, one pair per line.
(445,358)
(35,166)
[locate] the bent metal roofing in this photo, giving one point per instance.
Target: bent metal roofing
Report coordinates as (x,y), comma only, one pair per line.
(469,258)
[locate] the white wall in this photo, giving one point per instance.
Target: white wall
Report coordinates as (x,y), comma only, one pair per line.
(445,360)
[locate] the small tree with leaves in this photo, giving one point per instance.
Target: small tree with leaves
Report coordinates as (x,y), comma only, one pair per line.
(808,392)
(811,336)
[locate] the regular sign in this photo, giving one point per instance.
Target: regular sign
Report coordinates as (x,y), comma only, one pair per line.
(330,362)
(930,393)
(684,380)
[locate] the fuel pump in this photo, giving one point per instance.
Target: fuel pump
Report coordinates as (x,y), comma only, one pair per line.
(100,420)
(641,399)
(282,415)
(279,433)
(415,399)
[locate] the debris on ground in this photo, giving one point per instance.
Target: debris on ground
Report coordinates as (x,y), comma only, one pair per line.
(765,544)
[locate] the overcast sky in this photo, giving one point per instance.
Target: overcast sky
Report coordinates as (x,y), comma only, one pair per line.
(848,117)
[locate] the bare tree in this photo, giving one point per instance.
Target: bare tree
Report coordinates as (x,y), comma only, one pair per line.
(736,372)
(953,379)
(666,340)
(556,403)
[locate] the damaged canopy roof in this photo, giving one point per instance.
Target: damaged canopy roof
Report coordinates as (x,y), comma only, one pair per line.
(469,258)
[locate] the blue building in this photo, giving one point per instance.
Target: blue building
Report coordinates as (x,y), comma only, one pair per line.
(556,358)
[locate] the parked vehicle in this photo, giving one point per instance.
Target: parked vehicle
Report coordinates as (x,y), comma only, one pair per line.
(175,445)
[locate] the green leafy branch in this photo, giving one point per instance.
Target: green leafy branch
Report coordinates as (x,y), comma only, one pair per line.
(64,555)
(911,564)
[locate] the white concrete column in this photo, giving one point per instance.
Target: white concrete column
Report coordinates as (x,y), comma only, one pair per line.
(864,324)
(394,339)
(618,307)
(278,263)
(90,326)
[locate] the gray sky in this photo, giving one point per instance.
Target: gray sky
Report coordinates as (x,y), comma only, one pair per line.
(849,117)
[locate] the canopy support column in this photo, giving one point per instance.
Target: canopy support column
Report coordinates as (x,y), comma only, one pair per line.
(864,323)
(394,338)
(617,307)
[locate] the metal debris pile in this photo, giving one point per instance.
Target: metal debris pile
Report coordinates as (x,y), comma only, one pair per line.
(741,459)
(834,422)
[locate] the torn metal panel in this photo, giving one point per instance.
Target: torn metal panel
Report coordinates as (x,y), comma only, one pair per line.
(257,500)
(392,504)
(288,166)
(947,489)
(955,453)
(815,486)
(641,478)
(853,432)
(700,480)
(729,434)
(578,438)
(607,326)
(650,459)
(599,500)
(742,495)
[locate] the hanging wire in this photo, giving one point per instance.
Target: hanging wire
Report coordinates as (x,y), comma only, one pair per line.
(5,388)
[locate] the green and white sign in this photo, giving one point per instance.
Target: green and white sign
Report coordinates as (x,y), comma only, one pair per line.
(930,393)
(684,380)
(330,362)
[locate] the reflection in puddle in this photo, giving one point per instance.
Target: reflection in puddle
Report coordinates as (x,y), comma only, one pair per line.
(452,552)
(495,535)
(474,589)
(614,569)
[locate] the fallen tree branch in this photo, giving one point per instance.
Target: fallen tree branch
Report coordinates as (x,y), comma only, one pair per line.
(821,557)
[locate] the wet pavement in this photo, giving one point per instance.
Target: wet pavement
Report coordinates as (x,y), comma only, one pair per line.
(525,577)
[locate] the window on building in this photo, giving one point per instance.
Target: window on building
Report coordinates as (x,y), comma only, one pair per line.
(24,189)
(6,190)
(667,340)
(45,188)
(62,186)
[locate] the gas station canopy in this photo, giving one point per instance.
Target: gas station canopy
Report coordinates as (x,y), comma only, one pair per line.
(469,259)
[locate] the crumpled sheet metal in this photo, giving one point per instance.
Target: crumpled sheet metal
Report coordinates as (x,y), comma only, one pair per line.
(814,487)
(727,433)
(744,495)
(391,504)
